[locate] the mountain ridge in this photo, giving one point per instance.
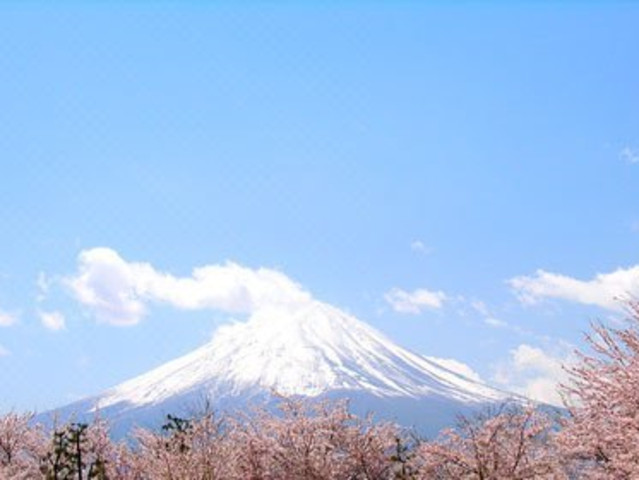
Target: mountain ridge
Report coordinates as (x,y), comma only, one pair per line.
(310,350)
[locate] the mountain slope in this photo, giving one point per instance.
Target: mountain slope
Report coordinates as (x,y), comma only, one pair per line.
(312,350)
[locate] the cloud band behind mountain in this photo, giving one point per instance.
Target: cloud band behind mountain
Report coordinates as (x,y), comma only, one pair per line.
(118,292)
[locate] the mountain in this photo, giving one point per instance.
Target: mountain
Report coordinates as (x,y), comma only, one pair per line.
(312,350)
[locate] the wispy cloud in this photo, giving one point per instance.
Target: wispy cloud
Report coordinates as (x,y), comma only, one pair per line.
(629,155)
(489,318)
(495,322)
(119,292)
(420,247)
(4,352)
(416,301)
(492,320)
(8,319)
(44,284)
(604,290)
(53,321)
(458,367)
(480,307)
(534,372)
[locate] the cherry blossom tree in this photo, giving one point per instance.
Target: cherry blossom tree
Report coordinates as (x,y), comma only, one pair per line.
(303,440)
(21,447)
(322,440)
(514,443)
(313,440)
(601,433)
(84,451)
(185,449)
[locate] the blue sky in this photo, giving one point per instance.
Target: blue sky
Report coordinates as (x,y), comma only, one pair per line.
(462,178)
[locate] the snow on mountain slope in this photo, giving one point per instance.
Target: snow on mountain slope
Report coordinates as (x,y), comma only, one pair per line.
(309,351)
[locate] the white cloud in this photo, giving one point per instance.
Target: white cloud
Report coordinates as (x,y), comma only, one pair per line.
(52,320)
(419,246)
(495,322)
(8,319)
(118,292)
(604,290)
(534,373)
(457,367)
(489,319)
(44,284)
(480,307)
(4,352)
(630,155)
(414,302)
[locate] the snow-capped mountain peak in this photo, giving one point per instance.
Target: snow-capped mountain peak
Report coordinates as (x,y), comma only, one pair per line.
(307,349)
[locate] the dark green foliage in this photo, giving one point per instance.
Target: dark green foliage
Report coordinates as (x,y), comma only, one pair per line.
(402,459)
(176,428)
(69,458)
